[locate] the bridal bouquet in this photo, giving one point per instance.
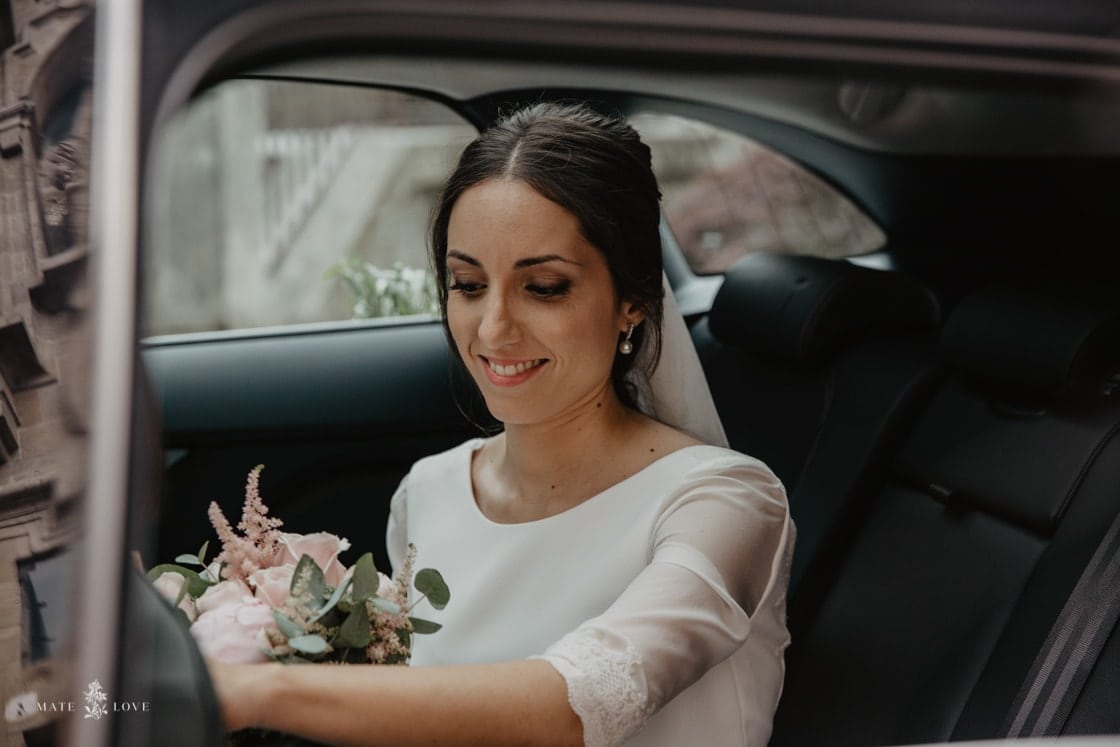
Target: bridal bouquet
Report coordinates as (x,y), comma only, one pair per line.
(286,597)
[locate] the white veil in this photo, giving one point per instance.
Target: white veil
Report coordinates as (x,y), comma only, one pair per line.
(677,392)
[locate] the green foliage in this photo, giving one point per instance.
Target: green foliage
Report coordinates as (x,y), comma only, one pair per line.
(424,627)
(366,581)
(395,291)
(430,583)
(310,644)
(354,631)
(308,582)
(195,586)
(290,628)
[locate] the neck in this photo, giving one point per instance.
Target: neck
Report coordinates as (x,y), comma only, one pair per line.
(562,451)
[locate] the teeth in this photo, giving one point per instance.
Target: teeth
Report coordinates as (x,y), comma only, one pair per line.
(514,369)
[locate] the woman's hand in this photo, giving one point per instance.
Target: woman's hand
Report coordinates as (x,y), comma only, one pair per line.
(239,688)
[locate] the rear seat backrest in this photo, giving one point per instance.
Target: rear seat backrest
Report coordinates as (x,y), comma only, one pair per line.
(814,364)
(1000,494)
(771,341)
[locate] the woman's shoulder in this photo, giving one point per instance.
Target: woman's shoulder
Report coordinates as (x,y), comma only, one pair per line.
(720,478)
(693,459)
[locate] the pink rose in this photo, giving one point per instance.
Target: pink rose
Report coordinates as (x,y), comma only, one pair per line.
(170,584)
(235,633)
(323,548)
(273,584)
(223,594)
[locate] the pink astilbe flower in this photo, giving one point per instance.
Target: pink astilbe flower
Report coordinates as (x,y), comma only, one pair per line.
(389,636)
(241,556)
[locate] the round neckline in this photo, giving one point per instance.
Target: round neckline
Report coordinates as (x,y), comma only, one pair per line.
(475,444)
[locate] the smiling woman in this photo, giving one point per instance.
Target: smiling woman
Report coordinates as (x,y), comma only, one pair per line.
(517,315)
(667,557)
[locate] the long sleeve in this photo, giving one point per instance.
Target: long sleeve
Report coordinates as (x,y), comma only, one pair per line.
(719,554)
(661,601)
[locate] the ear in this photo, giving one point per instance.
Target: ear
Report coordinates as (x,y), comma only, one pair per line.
(629,313)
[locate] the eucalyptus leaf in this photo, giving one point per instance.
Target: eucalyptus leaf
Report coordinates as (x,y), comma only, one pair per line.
(188,559)
(366,580)
(354,631)
(332,601)
(430,583)
(386,606)
(316,584)
(423,627)
(289,627)
(202,553)
(195,585)
(309,644)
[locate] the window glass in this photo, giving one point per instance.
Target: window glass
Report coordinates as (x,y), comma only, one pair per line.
(725,196)
(46,591)
(278,202)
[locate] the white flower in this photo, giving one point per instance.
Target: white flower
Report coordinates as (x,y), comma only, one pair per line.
(170,584)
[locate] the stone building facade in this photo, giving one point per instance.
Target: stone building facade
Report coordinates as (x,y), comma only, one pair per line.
(45,85)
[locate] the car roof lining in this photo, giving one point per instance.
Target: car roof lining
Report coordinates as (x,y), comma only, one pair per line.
(885,115)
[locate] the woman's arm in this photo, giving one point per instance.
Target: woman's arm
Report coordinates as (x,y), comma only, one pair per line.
(513,703)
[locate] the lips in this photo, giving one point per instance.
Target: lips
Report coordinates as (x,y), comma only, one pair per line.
(511,372)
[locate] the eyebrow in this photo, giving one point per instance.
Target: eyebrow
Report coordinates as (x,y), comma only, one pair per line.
(525,262)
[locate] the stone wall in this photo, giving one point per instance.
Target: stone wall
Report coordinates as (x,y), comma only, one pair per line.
(45,69)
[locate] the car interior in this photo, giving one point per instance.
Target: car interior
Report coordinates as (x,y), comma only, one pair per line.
(943,410)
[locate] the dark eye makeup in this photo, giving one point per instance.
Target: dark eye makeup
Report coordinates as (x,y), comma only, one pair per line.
(549,290)
(466,288)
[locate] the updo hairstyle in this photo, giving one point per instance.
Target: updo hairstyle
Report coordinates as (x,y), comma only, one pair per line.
(597,168)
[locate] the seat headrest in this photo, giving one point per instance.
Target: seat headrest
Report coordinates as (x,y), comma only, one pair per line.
(808,308)
(1035,341)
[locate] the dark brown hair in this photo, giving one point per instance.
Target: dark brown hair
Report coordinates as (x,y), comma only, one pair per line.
(597,168)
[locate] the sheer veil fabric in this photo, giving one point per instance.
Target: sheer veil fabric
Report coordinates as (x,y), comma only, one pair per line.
(677,392)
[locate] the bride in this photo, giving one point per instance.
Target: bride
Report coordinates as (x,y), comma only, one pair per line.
(619,575)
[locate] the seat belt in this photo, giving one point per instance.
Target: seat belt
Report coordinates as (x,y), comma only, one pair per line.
(1062,667)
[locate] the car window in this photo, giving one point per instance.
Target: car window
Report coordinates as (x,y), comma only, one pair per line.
(280,202)
(725,195)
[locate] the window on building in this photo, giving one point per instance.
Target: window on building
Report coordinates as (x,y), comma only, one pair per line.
(46,591)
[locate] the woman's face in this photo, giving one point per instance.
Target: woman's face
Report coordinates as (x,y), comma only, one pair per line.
(532,307)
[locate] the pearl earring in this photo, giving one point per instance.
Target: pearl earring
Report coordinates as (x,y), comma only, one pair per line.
(626,347)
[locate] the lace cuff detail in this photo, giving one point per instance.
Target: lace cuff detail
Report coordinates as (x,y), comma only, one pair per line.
(606,685)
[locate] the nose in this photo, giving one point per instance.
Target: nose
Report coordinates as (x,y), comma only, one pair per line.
(498,326)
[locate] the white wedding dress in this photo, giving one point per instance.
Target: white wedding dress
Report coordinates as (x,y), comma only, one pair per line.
(661,601)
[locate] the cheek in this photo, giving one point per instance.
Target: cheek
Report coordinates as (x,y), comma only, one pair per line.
(460,324)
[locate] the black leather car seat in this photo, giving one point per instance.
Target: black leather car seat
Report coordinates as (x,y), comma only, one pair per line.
(815,366)
(997,499)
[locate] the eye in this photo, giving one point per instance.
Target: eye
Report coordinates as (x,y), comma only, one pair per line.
(465,288)
(549,290)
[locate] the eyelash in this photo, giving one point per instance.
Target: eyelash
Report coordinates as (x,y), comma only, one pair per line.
(470,290)
(467,289)
(550,291)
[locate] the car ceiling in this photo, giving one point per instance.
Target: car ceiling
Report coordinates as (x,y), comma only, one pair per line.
(1087,17)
